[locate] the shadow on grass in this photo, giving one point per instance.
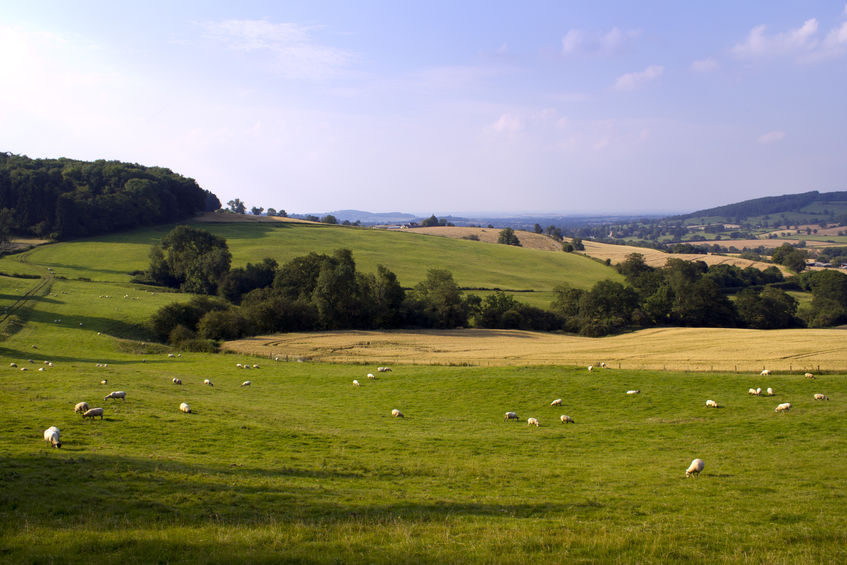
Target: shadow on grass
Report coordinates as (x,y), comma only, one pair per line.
(34,298)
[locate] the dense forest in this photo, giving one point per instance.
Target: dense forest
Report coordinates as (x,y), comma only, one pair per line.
(327,292)
(65,198)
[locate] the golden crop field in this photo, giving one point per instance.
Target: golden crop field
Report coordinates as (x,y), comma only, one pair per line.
(695,349)
(530,240)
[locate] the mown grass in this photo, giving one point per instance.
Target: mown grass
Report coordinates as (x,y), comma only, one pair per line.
(473,264)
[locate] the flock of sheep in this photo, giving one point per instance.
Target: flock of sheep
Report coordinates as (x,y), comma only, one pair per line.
(52,435)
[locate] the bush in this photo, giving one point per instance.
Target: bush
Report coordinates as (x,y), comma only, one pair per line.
(199,346)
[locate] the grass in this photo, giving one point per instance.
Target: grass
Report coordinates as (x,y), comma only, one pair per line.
(303,467)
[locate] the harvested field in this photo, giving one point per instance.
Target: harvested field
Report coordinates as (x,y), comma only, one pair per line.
(696,349)
(766,243)
(655,258)
(530,240)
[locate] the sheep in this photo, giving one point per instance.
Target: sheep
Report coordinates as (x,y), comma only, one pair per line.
(116,394)
(397,414)
(590,368)
(759,391)
(246,367)
(765,372)
(355,382)
(246,383)
(104,381)
(13,364)
(810,376)
(557,402)
(633,392)
(752,392)
(819,396)
(383,369)
(171,355)
(532,422)
(183,407)
(81,407)
(239,365)
(566,419)
(51,436)
(255,366)
(176,381)
(23,368)
(41,368)
(784,407)
(371,376)
(207,382)
(769,392)
(695,468)
(711,404)
(92,413)
(511,416)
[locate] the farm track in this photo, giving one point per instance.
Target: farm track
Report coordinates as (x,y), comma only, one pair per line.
(46,280)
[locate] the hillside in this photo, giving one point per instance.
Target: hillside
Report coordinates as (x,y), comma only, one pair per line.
(808,207)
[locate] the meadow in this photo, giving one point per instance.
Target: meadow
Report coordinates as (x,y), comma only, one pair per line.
(303,467)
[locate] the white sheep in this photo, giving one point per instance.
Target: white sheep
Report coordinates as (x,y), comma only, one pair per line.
(769,392)
(759,391)
(819,396)
(711,404)
(246,383)
(116,394)
(81,407)
(23,369)
(171,355)
(13,364)
(695,468)
(511,416)
(246,367)
(207,382)
(566,419)
(183,407)
(371,376)
(602,365)
(590,368)
(51,436)
(255,366)
(765,372)
(751,391)
(239,365)
(397,414)
(104,381)
(557,402)
(177,381)
(383,369)
(92,413)
(810,376)
(532,422)
(633,392)
(355,382)
(784,407)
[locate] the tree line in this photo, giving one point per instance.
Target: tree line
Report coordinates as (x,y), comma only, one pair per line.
(65,198)
(327,292)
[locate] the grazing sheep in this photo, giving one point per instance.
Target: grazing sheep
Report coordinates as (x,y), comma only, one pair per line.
(633,392)
(355,382)
(752,391)
(207,382)
(759,391)
(397,414)
(711,404)
(810,376)
(695,468)
(41,368)
(383,369)
(769,392)
(170,355)
(23,369)
(13,364)
(590,368)
(820,396)
(532,422)
(255,366)
(784,407)
(371,376)
(557,402)
(246,367)
(246,383)
(81,407)
(116,394)
(239,365)
(765,372)
(566,419)
(183,407)
(92,413)
(104,381)
(177,381)
(51,436)
(511,416)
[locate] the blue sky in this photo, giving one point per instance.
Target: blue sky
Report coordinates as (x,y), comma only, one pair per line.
(444,107)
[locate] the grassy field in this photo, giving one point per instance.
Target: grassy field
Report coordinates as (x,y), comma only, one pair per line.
(304,467)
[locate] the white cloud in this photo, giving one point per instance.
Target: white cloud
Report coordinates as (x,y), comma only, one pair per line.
(296,53)
(631,81)
(836,38)
(704,65)
(578,41)
(508,123)
(771,137)
(845,10)
(760,44)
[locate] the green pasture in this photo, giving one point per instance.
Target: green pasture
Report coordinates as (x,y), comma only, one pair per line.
(473,264)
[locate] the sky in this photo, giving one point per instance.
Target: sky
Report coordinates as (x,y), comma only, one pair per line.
(561,107)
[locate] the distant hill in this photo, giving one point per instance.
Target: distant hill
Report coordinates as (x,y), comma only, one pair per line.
(370,217)
(66,198)
(808,207)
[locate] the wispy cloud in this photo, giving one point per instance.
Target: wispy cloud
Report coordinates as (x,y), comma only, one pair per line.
(771,137)
(508,123)
(578,41)
(296,53)
(632,81)
(706,65)
(804,42)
